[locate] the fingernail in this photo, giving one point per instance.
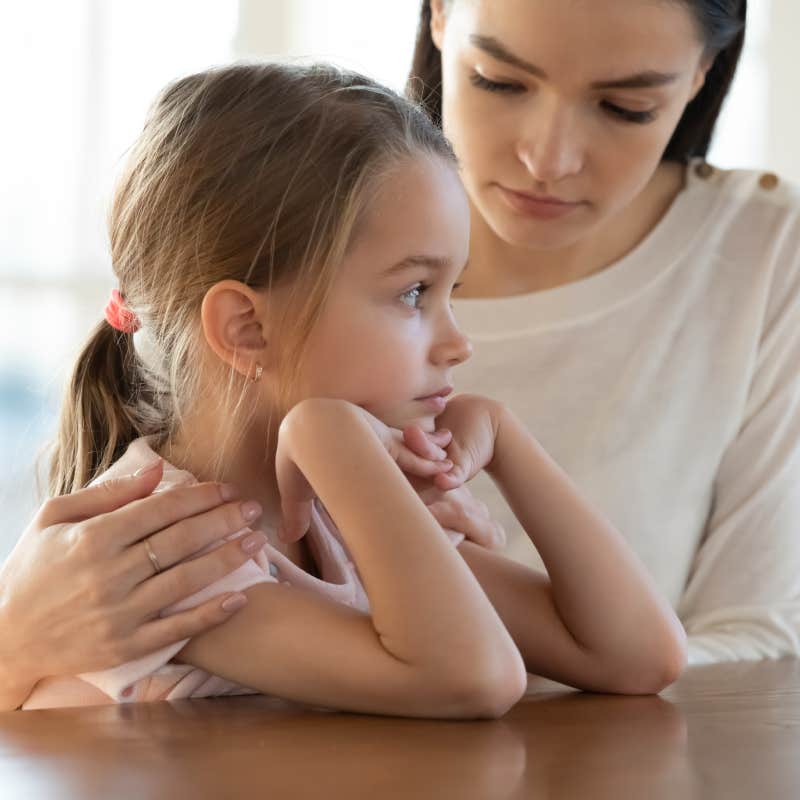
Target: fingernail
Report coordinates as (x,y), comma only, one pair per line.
(250,510)
(234,602)
(228,492)
(254,542)
(147,468)
(446,465)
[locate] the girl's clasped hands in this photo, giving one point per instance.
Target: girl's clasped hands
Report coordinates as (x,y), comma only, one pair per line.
(438,465)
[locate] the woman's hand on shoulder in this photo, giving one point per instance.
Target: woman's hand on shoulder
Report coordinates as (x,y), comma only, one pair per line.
(78,593)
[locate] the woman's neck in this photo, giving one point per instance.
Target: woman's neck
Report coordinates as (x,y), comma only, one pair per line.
(499,269)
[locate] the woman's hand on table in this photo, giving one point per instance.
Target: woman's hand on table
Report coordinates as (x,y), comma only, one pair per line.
(80,592)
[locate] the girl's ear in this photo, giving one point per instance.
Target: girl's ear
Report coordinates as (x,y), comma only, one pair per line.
(438,18)
(233,317)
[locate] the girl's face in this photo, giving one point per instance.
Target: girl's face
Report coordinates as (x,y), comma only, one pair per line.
(560,110)
(387,340)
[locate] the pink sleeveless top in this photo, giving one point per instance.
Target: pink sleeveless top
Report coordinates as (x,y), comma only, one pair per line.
(154,676)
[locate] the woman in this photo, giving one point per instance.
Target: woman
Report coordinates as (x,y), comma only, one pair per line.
(680,424)
(639,309)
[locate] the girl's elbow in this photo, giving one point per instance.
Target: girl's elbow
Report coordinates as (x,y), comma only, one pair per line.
(489,693)
(674,660)
(662,668)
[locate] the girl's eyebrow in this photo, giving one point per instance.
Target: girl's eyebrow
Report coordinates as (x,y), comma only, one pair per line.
(647,79)
(432,262)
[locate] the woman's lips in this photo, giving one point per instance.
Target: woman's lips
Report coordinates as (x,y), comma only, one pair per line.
(537,206)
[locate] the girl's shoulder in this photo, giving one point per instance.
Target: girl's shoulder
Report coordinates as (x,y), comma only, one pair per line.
(139,454)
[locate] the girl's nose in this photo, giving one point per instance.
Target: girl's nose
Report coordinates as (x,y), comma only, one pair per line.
(453,347)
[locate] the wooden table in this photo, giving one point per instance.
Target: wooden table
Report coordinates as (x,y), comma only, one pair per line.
(729,731)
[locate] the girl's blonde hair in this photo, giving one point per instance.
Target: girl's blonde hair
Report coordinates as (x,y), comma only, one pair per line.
(258,173)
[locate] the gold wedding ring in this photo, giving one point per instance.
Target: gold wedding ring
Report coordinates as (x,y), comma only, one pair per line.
(152,556)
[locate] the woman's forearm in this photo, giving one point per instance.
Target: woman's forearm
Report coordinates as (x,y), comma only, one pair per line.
(600,590)
(16,678)
(12,695)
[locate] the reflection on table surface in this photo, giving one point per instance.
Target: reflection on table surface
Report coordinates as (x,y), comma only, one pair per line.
(729,731)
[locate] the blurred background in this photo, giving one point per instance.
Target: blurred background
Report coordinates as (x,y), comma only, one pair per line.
(78,76)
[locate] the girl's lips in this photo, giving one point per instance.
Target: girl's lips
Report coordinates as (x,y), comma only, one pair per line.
(435,403)
(534,206)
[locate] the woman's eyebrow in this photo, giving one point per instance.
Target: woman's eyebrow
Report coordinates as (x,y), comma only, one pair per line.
(648,79)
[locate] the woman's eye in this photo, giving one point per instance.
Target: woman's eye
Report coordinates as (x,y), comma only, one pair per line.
(412,297)
(477,80)
(627,115)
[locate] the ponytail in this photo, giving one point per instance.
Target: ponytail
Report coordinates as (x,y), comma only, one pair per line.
(100,414)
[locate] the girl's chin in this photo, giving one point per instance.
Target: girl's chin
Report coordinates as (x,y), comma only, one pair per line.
(427,423)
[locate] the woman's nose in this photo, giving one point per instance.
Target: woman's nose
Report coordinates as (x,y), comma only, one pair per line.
(550,148)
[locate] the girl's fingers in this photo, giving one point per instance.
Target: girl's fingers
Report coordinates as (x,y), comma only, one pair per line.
(413,464)
(183,580)
(101,499)
(449,480)
(475,525)
(142,518)
(442,437)
(190,536)
(169,630)
(421,443)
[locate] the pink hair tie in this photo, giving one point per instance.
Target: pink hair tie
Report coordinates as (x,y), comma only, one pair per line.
(119,316)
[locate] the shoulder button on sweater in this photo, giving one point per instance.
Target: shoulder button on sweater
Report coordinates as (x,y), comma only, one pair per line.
(769,181)
(704,170)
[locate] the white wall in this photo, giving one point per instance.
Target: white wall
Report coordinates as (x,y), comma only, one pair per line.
(782,58)
(80,75)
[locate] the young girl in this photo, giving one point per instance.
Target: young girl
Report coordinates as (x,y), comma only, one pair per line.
(286,241)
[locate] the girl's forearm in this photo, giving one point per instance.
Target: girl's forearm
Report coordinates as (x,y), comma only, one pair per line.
(427,607)
(601,592)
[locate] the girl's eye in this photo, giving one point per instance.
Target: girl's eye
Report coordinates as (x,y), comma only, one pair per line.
(412,297)
(626,115)
(478,81)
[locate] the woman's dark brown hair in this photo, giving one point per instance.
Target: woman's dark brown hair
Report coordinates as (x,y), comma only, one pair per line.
(722,26)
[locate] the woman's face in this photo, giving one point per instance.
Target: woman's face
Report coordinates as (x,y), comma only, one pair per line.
(560,110)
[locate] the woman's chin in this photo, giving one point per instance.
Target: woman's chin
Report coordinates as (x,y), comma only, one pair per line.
(539,234)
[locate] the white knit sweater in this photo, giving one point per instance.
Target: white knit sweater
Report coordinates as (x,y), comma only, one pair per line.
(668,387)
